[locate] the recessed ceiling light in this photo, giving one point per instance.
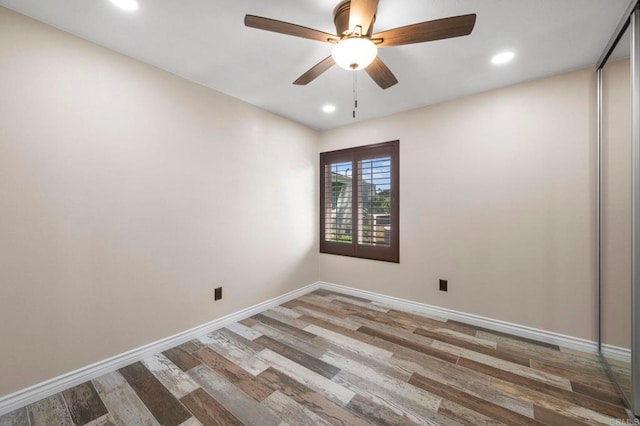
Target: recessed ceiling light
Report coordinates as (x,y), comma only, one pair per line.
(329,108)
(503,58)
(128,5)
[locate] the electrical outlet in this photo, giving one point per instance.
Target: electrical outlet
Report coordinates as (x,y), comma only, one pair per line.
(443,285)
(217,293)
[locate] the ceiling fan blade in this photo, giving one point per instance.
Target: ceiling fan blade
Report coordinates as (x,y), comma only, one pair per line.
(362,13)
(287,28)
(455,26)
(315,71)
(381,74)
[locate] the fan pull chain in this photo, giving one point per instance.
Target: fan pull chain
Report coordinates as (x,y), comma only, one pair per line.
(355,92)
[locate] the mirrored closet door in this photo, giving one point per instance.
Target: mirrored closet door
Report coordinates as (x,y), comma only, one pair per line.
(616,213)
(618,207)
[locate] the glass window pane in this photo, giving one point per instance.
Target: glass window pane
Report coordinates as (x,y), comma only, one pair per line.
(374,202)
(338,200)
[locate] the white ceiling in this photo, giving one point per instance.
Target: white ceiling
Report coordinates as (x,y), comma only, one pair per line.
(206,41)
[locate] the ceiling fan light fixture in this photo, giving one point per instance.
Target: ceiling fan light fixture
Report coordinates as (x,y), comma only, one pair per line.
(354,53)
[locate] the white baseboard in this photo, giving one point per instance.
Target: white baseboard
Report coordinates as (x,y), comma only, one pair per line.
(583,345)
(616,352)
(50,387)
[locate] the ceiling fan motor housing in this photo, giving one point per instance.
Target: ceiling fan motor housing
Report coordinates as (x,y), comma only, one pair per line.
(341,19)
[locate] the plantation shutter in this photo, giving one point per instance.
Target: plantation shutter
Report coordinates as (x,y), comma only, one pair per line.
(359,202)
(339,212)
(374,201)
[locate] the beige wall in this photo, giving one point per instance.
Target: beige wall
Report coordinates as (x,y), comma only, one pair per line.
(497,196)
(616,205)
(126,195)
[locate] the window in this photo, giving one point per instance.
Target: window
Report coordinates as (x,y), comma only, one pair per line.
(359,217)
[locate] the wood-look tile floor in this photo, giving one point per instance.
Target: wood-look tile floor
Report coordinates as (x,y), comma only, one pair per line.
(332,359)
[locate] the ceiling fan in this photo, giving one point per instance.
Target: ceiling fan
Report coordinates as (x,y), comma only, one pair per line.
(356,46)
